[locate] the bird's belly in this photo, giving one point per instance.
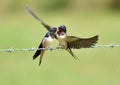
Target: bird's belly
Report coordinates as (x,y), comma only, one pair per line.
(62,43)
(47,42)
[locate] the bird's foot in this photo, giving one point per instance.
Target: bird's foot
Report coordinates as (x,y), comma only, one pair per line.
(59,47)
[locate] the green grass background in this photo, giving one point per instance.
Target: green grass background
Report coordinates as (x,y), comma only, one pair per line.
(97,66)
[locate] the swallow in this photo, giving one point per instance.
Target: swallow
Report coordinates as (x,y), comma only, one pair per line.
(73,42)
(46,42)
(65,41)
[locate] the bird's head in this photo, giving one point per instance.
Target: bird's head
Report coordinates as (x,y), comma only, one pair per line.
(54,29)
(52,32)
(61,30)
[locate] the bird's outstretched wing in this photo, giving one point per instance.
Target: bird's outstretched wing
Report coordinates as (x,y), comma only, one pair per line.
(77,43)
(48,27)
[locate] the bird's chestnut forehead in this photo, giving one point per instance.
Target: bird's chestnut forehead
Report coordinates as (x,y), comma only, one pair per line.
(62,28)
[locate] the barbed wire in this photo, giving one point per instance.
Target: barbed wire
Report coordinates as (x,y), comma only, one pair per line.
(10,50)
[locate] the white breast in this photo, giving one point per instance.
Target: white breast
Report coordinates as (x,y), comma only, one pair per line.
(47,41)
(61,39)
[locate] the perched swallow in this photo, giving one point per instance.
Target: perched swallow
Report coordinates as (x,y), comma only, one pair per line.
(46,42)
(73,42)
(65,41)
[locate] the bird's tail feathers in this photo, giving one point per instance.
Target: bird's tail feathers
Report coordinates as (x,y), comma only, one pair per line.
(74,56)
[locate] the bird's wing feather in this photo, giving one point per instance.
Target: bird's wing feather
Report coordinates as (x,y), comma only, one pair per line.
(48,27)
(77,43)
(38,52)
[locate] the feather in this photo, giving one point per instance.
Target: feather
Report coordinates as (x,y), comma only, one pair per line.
(38,52)
(77,43)
(37,18)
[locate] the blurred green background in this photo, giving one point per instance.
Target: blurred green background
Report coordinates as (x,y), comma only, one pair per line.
(83,18)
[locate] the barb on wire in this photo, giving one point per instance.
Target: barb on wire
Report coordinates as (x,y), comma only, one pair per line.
(10,50)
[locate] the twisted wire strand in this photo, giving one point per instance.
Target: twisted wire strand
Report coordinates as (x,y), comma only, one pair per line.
(10,50)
